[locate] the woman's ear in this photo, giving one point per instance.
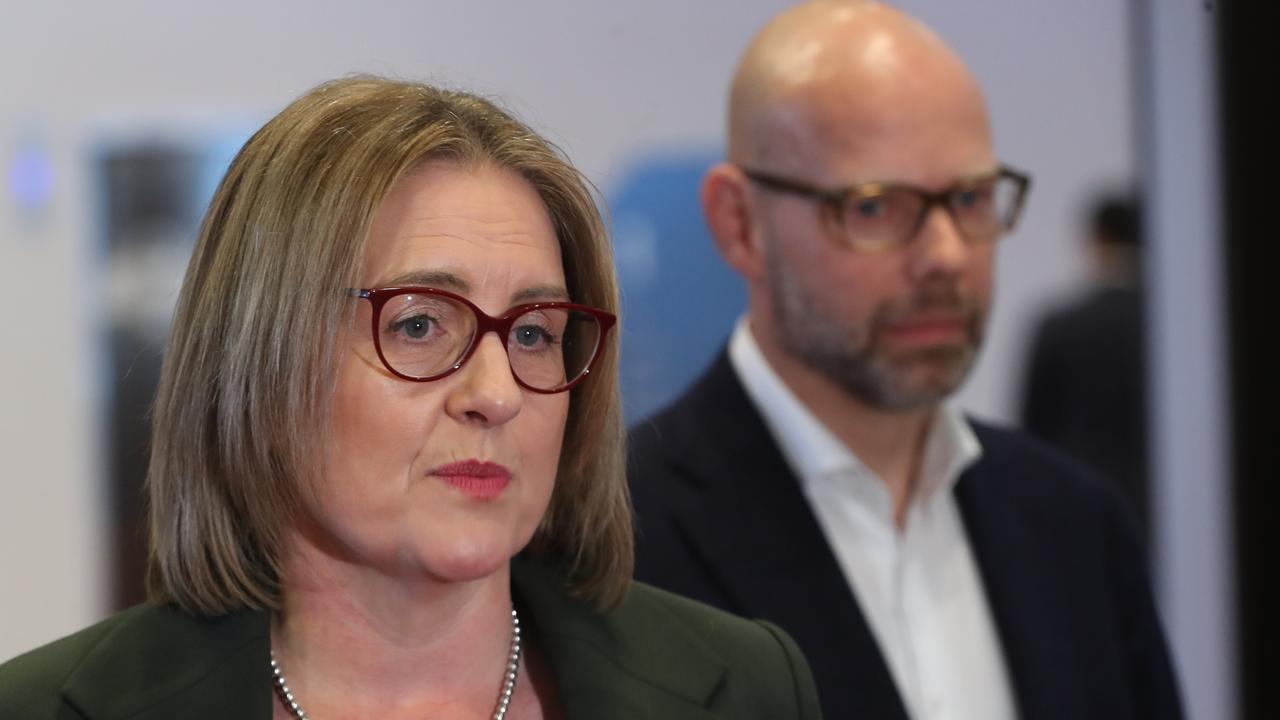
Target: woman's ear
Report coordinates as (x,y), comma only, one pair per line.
(728,212)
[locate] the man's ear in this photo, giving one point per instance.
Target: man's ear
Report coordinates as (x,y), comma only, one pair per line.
(728,212)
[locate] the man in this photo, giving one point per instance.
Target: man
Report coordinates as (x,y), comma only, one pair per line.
(1084,389)
(929,566)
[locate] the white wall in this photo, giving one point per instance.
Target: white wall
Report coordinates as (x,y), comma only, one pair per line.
(606,80)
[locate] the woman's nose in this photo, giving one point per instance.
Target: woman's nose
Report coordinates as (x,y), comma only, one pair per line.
(486,393)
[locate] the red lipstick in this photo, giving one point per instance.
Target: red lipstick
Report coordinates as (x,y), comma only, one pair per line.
(476,479)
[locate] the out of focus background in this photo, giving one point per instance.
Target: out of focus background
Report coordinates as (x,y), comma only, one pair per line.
(117,119)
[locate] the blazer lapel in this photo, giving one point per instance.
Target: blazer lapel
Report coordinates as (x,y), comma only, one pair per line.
(1030,598)
(606,664)
(754,523)
(181,667)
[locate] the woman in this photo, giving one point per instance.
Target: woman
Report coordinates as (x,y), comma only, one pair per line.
(387,477)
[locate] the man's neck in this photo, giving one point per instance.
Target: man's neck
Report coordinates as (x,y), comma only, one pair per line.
(889,442)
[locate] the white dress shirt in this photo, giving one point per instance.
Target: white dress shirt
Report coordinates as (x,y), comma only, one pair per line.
(918,586)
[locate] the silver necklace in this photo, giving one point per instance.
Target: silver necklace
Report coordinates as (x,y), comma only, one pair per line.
(499,712)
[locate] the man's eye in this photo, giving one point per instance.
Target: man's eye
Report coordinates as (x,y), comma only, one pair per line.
(971,198)
(869,208)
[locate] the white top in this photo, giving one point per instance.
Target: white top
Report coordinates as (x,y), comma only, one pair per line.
(919,587)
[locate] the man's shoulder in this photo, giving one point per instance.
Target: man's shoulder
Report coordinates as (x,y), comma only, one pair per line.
(1007,450)
(712,418)
(710,436)
(1007,444)
(1032,472)
(135,654)
(689,412)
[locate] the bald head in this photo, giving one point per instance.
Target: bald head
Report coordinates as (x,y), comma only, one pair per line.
(825,75)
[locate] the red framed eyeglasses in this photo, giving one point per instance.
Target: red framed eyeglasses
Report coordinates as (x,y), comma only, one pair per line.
(423,334)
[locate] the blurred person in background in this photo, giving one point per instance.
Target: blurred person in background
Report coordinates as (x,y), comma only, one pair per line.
(1085,386)
(387,468)
(818,475)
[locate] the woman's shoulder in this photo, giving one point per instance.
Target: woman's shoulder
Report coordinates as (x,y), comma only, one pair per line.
(759,669)
(754,650)
(663,655)
(140,656)
(735,637)
(30,683)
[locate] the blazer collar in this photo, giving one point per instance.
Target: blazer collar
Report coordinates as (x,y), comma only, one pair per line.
(628,663)
(752,521)
(158,662)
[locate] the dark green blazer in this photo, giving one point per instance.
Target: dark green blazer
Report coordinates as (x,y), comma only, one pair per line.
(656,656)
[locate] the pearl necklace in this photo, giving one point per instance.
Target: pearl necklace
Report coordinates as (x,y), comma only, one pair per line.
(499,712)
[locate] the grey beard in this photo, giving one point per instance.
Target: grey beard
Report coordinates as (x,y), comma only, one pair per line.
(858,365)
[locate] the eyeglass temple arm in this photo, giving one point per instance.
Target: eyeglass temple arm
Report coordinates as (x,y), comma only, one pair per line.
(794,187)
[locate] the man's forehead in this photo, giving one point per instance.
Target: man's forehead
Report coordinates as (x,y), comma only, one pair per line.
(862,94)
(842,137)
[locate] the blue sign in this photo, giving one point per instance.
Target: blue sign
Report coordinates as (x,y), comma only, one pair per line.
(679,299)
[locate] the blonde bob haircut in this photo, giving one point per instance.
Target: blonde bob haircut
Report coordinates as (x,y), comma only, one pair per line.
(242,410)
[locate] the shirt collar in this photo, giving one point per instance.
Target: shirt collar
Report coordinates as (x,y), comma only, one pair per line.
(814,452)
(950,449)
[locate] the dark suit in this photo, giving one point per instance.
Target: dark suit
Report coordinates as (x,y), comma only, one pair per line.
(723,519)
(655,656)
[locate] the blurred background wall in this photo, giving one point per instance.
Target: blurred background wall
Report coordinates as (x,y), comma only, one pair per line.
(106,108)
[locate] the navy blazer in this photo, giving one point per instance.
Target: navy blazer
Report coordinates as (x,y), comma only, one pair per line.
(723,519)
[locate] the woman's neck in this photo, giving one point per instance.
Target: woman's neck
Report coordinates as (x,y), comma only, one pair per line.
(356,642)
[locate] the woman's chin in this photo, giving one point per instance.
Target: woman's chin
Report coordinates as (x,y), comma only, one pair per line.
(467,564)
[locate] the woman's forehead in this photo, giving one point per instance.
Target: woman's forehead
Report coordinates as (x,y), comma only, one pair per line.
(482,229)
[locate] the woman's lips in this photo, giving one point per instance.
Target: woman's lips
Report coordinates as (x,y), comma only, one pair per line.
(476,479)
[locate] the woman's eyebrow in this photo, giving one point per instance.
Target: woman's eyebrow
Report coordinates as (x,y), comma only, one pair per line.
(440,279)
(445,280)
(540,293)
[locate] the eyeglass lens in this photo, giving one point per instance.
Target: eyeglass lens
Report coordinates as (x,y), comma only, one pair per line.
(981,210)
(424,335)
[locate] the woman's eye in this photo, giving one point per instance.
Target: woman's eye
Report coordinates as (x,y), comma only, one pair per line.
(414,328)
(531,336)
